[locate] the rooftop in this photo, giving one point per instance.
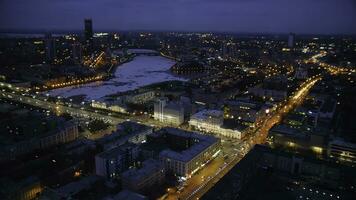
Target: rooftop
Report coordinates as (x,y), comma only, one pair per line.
(134,127)
(284,129)
(173,106)
(75,187)
(245,102)
(204,141)
(128,195)
(204,114)
(149,167)
(115,151)
(341,142)
(124,131)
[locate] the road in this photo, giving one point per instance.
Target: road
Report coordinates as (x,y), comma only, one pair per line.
(207,177)
(257,135)
(332,69)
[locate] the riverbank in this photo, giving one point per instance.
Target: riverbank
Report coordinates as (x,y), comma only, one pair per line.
(141,71)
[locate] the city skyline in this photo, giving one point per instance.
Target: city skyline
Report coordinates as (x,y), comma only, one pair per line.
(177,100)
(276,16)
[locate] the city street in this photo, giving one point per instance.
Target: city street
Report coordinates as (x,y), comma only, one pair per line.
(210,174)
(197,186)
(173,100)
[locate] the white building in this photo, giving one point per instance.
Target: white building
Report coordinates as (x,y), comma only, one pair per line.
(208,120)
(211,121)
(113,106)
(169,113)
(158,108)
(173,114)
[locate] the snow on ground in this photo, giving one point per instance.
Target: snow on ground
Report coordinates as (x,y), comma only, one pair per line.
(141,71)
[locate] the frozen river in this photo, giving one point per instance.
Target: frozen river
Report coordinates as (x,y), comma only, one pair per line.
(141,71)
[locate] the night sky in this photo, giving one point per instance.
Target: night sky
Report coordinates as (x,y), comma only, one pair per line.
(249,16)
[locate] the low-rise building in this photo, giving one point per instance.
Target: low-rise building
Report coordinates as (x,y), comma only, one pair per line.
(126,131)
(64,133)
(297,139)
(187,151)
(26,189)
(245,111)
(128,195)
(138,132)
(274,94)
(328,108)
(71,189)
(262,162)
(79,146)
(207,120)
(111,163)
(274,89)
(152,173)
(341,150)
(141,98)
(111,106)
(212,121)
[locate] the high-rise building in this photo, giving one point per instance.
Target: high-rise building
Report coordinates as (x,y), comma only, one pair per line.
(88,32)
(223,50)
(50,47)
(77,52)
(170,113)
(291,38)
(159,108)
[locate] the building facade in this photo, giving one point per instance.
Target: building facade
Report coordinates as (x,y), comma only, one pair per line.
(169,113)
(185,163)
(113,106)
(111,163)
(88,34)
(68,132)
(342,151)
(50,47)
(211,121)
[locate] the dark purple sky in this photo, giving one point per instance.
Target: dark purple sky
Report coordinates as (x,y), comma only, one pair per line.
(299,16)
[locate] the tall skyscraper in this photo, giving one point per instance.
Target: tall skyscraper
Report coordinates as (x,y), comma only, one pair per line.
(291,38)
(77,52)
(50,48)
(159,108)
(223,50)
(88,33)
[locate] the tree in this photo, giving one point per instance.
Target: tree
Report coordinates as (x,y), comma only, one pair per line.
(97,125)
